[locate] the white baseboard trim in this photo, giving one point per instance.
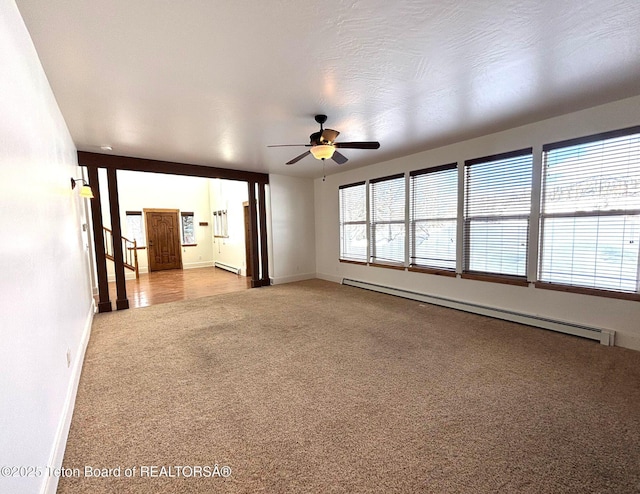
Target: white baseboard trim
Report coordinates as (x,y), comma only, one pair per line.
(604,336)
(625,340)
(292,279)
(196,265)
(329,277)
(50,484)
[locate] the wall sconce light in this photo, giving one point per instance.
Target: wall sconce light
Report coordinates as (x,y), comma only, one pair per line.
(85,191)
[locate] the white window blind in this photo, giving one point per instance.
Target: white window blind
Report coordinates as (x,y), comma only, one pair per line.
(496,213)
(434,209)
(220,226)
(353,222)
(590,219)
(135,227)
(387,229)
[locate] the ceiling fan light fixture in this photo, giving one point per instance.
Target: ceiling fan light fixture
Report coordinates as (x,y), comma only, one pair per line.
(323,145)
(323,151)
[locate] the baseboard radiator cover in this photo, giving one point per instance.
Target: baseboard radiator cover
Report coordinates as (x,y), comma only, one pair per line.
(226,267)
(604,336)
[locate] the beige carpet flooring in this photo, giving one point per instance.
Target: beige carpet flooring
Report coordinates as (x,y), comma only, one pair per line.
(317,387)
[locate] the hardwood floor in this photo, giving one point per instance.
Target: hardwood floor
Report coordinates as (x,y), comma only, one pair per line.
(172,285)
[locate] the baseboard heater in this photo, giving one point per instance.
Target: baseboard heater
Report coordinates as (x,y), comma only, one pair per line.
(604,336)
(226,267)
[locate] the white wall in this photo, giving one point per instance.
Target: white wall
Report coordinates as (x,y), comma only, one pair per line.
(45,289)
(292,232)
(143,190)
(619,315)
(229,195)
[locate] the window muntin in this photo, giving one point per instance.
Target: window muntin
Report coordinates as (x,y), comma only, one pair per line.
(433,219)
(590,218)
(353,222)
(496,213)
(387,224)
(188,229)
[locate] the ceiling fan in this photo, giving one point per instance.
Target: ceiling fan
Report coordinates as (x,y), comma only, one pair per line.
(323,145)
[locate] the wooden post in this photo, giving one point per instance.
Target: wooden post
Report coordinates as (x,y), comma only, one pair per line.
(264,257)
(253,225)
(116,233)
(104,304)
(135,257)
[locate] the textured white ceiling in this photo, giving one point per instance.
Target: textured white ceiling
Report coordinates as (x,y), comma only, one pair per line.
(213,82)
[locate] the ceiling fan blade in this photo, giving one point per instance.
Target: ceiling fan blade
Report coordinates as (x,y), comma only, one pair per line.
(329,135)
(358,145)
(298,158)
(288,145)
(339,158)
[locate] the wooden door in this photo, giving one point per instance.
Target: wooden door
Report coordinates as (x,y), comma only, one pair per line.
(164,248)
(247,240)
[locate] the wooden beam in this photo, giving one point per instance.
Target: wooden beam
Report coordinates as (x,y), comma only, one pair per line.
(253,226)
(264,256)
(110,161)
(114,208)
(104,304)
(258,224)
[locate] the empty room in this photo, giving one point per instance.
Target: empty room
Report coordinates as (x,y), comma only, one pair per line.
(347,247)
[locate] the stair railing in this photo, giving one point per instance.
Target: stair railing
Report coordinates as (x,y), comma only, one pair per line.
(129,251)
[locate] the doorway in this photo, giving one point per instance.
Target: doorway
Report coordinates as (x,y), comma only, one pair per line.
(164,247)
(113,166)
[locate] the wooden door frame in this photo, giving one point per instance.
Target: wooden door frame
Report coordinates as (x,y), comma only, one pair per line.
(146,231)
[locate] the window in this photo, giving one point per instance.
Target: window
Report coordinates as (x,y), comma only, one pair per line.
(135,227)
(434,209)
(387,210)
(353,222)
(220,227)
(496,214)
(590,218)
(188,230)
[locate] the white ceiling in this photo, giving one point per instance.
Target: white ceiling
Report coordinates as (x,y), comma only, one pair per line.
(214,82)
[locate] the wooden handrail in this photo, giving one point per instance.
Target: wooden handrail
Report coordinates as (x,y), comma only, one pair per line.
(123,238)
(130,251)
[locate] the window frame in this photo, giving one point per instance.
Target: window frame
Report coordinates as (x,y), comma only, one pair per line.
(139,245)
(342,223)
(190,214)
(467,220)
(426,268)
(220,224)
(372,258)
(532,239)
(576,213)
